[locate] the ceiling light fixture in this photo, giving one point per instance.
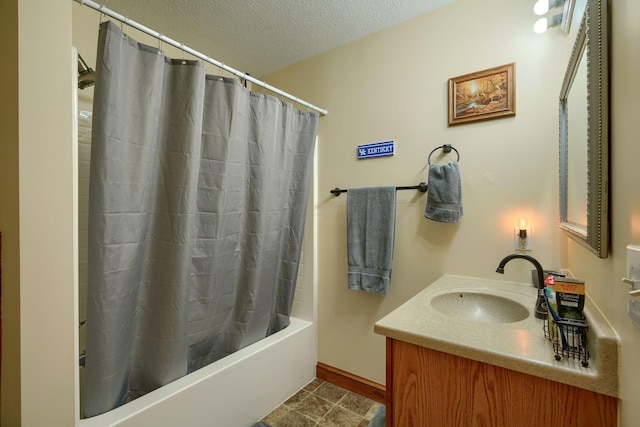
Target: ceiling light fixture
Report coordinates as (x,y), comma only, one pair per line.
(542,7)
(543,24)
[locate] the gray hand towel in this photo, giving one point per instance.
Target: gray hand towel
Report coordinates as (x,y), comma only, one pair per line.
(371,221)
(444,195)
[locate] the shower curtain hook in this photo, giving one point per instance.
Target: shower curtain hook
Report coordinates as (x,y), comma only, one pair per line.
(102,15)
(125,22)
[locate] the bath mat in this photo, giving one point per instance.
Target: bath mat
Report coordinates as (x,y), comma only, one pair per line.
(380,418)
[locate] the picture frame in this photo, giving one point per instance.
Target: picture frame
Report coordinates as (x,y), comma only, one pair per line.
(483,95)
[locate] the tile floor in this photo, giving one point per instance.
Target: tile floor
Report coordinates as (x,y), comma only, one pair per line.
(322,404)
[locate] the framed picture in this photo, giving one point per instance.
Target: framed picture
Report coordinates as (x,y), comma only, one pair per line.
(483,95)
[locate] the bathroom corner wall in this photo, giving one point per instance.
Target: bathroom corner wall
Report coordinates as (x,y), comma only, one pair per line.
(392,85)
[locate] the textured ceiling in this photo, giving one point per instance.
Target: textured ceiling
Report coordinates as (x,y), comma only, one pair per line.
(262,36)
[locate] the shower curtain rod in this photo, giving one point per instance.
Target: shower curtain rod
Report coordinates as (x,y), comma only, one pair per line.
(102,9)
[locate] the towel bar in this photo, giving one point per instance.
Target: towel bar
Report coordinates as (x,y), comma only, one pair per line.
(422,187)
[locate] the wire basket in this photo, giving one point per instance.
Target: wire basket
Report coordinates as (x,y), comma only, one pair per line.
(569,339)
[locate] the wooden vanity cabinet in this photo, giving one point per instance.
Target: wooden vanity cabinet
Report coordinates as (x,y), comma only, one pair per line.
(430,388)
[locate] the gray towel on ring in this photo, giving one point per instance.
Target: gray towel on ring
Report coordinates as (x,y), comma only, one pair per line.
(444,193)
(371,221)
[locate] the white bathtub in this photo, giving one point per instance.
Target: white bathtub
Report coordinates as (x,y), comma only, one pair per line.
(235,391)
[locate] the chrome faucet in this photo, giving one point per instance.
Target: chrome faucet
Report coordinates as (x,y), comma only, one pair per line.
(541,306)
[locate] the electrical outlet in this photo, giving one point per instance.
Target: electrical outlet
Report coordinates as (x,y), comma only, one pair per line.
(522,241)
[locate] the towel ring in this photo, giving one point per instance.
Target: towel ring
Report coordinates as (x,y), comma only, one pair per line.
(446,148)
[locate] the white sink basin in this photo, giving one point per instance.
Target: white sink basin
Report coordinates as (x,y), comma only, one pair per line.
(479,307)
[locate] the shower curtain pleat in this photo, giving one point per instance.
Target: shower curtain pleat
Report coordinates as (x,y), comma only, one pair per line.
(198,196)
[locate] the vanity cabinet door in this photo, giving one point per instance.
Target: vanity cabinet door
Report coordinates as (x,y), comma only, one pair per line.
(431,388)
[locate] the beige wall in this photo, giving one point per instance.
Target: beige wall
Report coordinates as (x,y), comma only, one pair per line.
(37,215)
(392,85)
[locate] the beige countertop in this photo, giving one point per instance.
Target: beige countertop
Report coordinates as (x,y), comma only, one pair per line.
(519,346)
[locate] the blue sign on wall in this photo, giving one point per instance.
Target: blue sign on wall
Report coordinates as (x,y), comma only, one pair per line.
(378,149)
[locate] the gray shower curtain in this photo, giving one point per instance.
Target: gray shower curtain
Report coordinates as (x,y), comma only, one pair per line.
(198,194)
